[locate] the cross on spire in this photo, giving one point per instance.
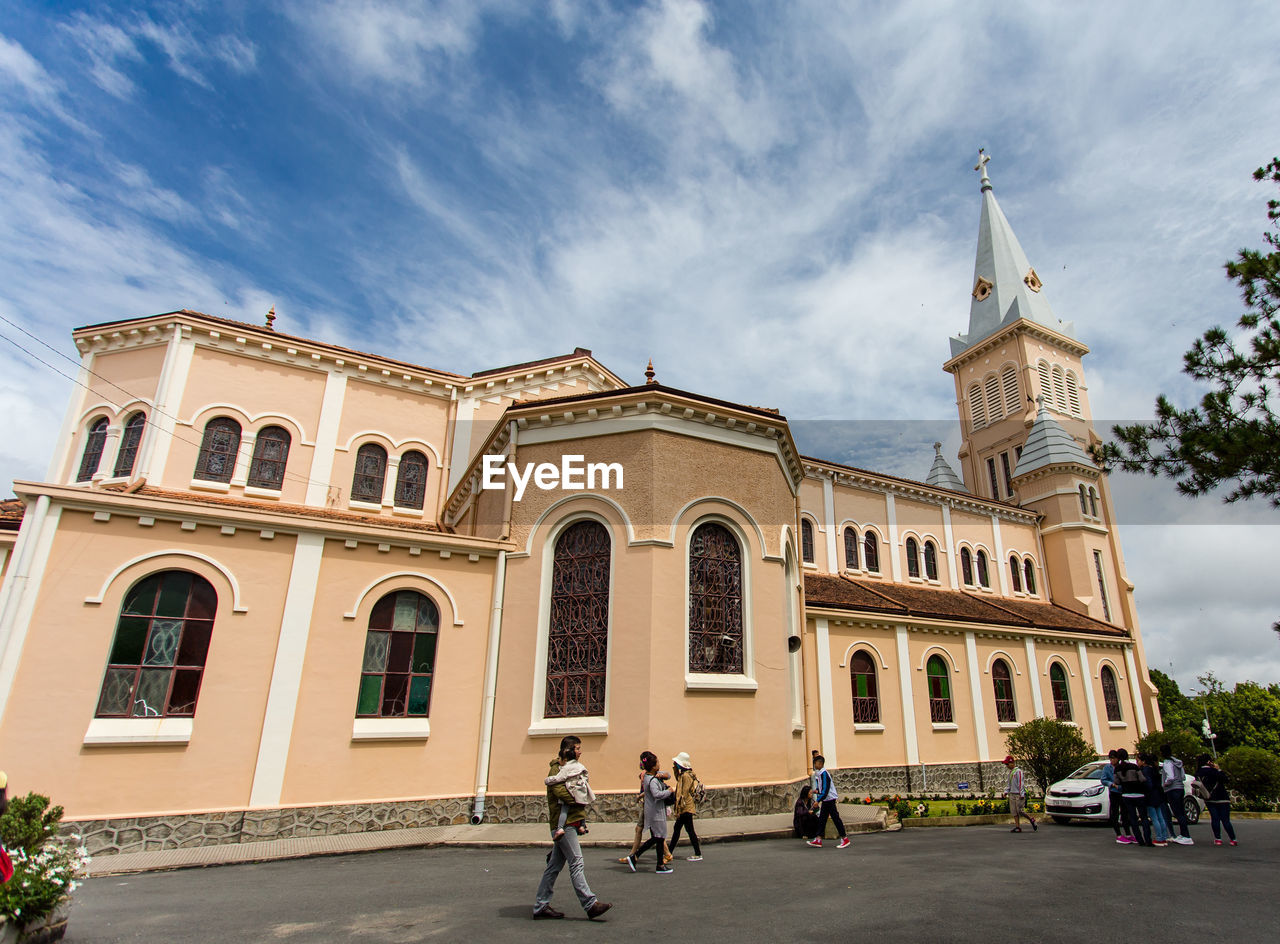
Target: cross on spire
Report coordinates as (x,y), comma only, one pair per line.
(983,160)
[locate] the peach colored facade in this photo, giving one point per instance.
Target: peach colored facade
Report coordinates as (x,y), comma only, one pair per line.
(884,622)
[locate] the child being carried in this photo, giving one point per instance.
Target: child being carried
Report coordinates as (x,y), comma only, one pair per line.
(574,776)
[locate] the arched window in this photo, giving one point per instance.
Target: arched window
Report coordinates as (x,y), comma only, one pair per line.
(1029,571)
(399,657)
(984,578)
(1093,502)
(850,548)
(1059,389)
(866,698)
(1012,394)
(1110,694)
(1046,382)
(129,444)
(1061,692)
(966,566)
(1002,682)
(370,474)
(806,540)
(411,480)
(1073,393)
(930,560)
(715,600)
(1015,573)
(992,390)
(270,453)
(217,460)
(939,691)
(977,412)
(1084,501)
(94,443)
(871,551)
(913,558)
(160,646)
(578,630)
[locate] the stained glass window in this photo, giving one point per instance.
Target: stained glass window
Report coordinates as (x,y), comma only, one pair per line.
(1029,571)
(578,631)
(984,577)
(1002,681)
(913,558)
(94,443)
(1015,573)
(1061,692)
(1110,694)
(930,560)
(217,461)
(159,649)
(399,657)
(370,474)
(866,698)
(129,444)
(806,540)
(939,691)
(715,600)
(871,552)
(966,566)
(270,453)
(850,548)
(411,480)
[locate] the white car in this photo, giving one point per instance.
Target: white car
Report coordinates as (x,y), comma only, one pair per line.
(1083,795)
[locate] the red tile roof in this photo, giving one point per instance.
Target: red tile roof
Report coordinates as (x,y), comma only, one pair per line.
(906,601)
(11,512)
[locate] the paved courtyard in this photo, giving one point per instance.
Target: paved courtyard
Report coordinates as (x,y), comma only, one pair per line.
(1064,883)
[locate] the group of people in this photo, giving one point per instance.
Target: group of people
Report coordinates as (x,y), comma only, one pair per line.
(817,804)
(569,794)
(1147,796)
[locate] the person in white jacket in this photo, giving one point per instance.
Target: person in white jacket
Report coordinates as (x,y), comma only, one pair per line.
(1172,776)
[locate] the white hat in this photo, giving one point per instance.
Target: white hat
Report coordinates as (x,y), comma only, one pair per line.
(682,760)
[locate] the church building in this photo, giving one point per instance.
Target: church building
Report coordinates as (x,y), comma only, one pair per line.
(271,587)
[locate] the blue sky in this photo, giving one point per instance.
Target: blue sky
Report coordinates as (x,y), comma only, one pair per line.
(775,202)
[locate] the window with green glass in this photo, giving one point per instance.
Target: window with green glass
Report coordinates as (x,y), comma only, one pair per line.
(158,653)
(399,657)
(939,691)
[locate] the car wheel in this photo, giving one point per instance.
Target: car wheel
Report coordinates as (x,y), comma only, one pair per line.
(1062,820)
(1192,810)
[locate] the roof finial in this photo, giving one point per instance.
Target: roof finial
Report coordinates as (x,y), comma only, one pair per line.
(649,373)
(937,449)
(271,318)
(983,159)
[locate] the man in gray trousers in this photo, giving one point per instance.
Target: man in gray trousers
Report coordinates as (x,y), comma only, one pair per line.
(566,848)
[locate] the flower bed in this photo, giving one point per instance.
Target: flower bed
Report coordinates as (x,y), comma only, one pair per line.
(46,869)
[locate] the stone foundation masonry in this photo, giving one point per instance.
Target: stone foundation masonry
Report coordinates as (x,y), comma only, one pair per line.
(153,833)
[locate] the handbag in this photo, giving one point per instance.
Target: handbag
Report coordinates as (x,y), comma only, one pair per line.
(6,865)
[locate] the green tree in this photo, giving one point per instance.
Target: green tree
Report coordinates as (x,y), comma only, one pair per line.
(1247,715)
(1232,438)
(1187,745)
(1177,710)
(1048,750)
(1254,772)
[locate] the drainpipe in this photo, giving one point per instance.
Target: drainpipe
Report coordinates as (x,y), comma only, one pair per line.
(490,690)
(491,665)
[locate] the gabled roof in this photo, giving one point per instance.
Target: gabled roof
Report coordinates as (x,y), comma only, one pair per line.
(1013,290)
(1049,444)
(942,475)
(907,601)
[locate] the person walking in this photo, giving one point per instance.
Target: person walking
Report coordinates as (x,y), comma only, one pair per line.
(686,805)
(656,794)
(1017,794)
(565,849)
(1173,780)
(1155,800)
(1133,793)
(1114,803)
(638,840)
(824,800)
(1215,780)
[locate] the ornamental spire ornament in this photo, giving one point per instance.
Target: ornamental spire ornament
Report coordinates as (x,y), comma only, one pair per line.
(649,374)
(271,318)
(983,160)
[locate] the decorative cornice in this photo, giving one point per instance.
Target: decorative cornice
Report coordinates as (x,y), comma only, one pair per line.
(1007,333)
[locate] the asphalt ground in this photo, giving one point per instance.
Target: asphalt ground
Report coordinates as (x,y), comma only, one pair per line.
(981,883)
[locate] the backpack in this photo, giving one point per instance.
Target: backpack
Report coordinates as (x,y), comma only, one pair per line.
(699,790)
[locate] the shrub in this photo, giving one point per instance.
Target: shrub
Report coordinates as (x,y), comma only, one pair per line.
(1186,744)
(46,868)
(1048,750)
(1254,773)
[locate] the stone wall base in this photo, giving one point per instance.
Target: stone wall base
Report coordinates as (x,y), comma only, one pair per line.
(116,835)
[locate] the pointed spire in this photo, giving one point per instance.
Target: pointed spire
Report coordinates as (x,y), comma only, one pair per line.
(942,475)
(1049,444)
(1005,286)
(649,374)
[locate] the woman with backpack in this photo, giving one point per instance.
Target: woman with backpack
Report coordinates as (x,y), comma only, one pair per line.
(686,806)
(1219,802)
(656,799)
